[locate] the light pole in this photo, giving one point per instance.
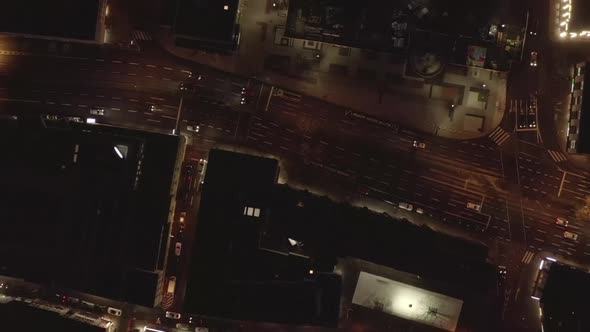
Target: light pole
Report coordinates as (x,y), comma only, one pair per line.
(526,27)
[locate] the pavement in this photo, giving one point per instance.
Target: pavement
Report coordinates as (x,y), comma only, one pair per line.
(480,94)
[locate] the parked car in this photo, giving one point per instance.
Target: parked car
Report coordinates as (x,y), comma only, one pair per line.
(406,206)
(114,311)
(194,128)
(51,117)
(474,206)
(419,211)
(177,248)
(173,315)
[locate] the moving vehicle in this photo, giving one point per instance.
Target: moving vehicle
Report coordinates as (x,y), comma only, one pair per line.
(561,222)
(570,235)
(194,128)
(182,216)
(534,56)
(152,108)
(171,285)
(172,314)
(419,145)
(114,311)
(97,111)
(51,117)
(246,95)
(194,75)
(186,87)
(182,326)
(177,248)
(419,211)
(474,206)
(406,206)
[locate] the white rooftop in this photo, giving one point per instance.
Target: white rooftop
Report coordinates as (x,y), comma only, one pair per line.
(408,302)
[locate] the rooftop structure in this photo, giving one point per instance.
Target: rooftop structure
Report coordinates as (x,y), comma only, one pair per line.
(86,207)
(578,134)
(56,19)
(207,24)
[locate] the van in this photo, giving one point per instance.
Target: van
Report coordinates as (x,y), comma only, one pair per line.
(114,311)
(171,285)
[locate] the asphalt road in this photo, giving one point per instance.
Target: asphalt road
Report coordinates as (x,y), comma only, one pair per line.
(517,183)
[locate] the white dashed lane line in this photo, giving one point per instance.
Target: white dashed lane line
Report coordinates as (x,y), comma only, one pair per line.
(151,66)
(134,63)
(167,68)
(152,120)
(117,61)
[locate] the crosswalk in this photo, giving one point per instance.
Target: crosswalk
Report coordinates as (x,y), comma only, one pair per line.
(527,257)
(557,156)
(499,135)
(140,35)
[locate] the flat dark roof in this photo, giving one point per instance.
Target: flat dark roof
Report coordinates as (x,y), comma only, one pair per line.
(565,299)
(57,18)
(207,20)
(18,316)
(580,16)
(91,225)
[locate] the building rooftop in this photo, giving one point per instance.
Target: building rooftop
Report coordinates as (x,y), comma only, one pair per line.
(565,299)
(207,23)
(57,18)
(580,15)
(78,215)
(13,313)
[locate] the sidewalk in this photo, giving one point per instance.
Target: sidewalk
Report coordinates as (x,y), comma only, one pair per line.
(384,91)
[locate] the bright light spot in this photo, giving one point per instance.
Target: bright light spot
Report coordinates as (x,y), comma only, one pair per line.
(563,34)
(90,120)
(292,242)
(226,7)
(573,34)
(541,265)
(540,312)
(551,259)
(106,11)
(118,152)
(535,298)
(310,271)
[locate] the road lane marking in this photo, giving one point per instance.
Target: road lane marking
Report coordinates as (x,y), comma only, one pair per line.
(134,100)
(132,111)
(82,105)
(167,68)
(153,120)
(116,98)
(168,117)
(156,98)
(134,63)
(115,72)
(51,103)
(132,74)
(166,79)
(115,109)
(99,60)
(149,76)
(117,61)
(66,104)
(100,96)
(151,66)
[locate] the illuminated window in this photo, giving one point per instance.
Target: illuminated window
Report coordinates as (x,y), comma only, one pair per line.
(251,212)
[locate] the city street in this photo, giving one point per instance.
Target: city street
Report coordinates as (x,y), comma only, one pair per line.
(520,186)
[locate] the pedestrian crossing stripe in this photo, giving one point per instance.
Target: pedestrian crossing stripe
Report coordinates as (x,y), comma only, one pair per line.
(140,35)
(499,135)
(557,156)
(527,257)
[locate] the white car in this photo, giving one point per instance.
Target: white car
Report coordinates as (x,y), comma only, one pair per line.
(473,206)
(114,311)
(177,248)
(570,235)
(419,211)
(194,128)
(418,144)
(561,222)
(97,111)
(173,315)
(534,56)
(405,206)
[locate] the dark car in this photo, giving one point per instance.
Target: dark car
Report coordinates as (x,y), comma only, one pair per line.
(186,87)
